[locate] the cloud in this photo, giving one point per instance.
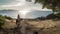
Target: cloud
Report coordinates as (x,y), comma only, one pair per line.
(6,2)
(21,5)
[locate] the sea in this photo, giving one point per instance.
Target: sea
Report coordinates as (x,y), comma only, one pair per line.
(32,14)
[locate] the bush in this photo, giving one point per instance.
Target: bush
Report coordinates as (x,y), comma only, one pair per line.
(2,20)
(51,16)
(58,15)
(54,16)
(7,17)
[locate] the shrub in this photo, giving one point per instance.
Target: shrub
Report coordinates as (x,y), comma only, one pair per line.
(51,16)
(58,15)
(2,20)
(7,17)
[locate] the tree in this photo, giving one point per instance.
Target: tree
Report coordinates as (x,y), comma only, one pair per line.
(50,4)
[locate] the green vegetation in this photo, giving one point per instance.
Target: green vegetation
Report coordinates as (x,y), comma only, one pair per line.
(58,14)
(2,20)
(7,17)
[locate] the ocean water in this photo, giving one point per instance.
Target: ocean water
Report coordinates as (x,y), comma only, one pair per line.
(35,14)
(32,14)
(12,14)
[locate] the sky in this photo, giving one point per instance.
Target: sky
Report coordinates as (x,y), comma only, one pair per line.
(19,5)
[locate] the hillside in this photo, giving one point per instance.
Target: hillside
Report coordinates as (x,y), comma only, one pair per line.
(31,26)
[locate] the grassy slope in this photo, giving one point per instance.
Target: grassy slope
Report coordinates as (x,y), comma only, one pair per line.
(48,25)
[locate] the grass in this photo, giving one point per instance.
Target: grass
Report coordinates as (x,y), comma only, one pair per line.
(43,24)
(44,27)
